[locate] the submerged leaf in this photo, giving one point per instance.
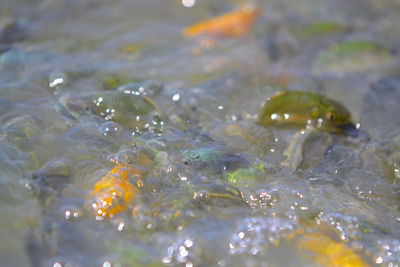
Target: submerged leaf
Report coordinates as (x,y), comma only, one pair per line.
(328,252)
(233,24)
(134,48)
(244,175)
(139,258)
(114,80)
(318,29)
(115,191)
(351,56)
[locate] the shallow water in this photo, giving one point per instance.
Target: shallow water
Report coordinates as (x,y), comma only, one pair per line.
(58,56)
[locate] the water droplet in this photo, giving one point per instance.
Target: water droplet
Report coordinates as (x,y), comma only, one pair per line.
(56,79)
(166,260)
(188,3)
(121,226)
(72,213)
(241,235)
(176,97)
(379,260)
(188,243)
(183,251)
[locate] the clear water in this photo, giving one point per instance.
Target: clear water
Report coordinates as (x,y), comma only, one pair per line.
(57,54)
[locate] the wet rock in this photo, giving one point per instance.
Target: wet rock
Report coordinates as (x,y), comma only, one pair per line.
(56,167)
(381,106)
(279,45)
(13,32)
(5,104)
(313,150)
(4,48)
(343,157)
(50,180)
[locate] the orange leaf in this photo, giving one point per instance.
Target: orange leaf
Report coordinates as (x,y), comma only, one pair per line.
(233,24)
(113,193)
(330,253)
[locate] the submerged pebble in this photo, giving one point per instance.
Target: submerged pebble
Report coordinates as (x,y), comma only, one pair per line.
(304,109)
(13,31)
(131,109)
(216,160)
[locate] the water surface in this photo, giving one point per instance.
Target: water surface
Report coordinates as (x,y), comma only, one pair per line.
(210,92)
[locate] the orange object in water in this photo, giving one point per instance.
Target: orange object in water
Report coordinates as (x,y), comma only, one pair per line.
(330,253)
(233,24)
(113,193)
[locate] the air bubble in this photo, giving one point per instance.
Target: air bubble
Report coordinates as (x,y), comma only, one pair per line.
(110,128)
